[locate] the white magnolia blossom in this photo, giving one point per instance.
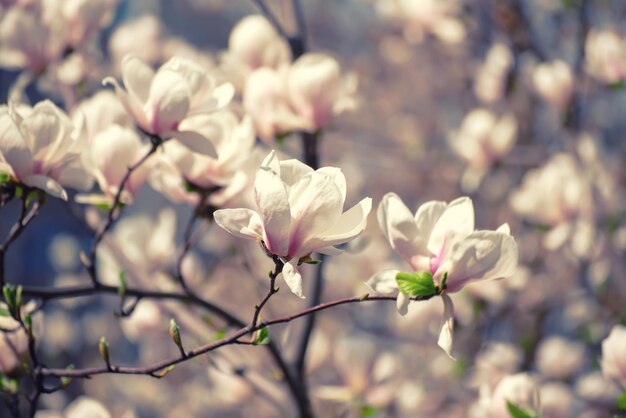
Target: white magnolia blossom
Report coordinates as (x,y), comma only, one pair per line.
(440,239)
(300,211)
(254,43)
(304,96)
(605,56)
(614,357)
(41,147)
(108,158)
(160,101)
(233,140)
(554,81)
(83,18)
(99,112)
(522,390)
(560,358)
(491,75)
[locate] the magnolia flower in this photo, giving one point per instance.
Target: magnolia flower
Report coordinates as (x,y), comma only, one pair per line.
(82,407)
(108,158)
(554,81)
(83,18)
(304,96)
(254,43)
(440,240)
(519,389)
(614,357)
(233,140)
(605,56)
(491,75)
(41,147)
(160,101)
(559,358)
(99,112)
(299,212)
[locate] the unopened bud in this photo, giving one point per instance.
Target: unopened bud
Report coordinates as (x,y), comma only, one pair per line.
(103,347)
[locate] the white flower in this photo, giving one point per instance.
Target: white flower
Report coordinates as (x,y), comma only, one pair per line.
(160,101)
(299,212)
(554,81)
(614,357)
(440,239)
(491,76)
(519,389)
(605,56)
(82,18)
(108,158)
(40,147)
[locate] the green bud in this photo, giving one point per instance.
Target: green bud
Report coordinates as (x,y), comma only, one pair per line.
(103,347)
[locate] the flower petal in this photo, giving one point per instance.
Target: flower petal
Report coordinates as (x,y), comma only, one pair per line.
(137,77)
(46,184)
(194,141)
(291,171)
(447,326)
(13,148)
(456,222)
(131,103)
(293,278)
(402,303)
(398,225)
(273,203)
(239,222)
(383,282)
(168,103)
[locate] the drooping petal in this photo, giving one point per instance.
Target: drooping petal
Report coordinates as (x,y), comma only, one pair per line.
(316,205)
(137,77)
(456,222)
(447,326)
(402,303)
(47,185)
(194,141)
(273,203)
(398,225)
(383,282)
(348,227)
(293,278)
(238,222)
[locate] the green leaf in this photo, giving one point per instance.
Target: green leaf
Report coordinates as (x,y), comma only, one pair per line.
(367,411)
(219,334)
(4,312)
(618,85)
(121,290)
(416,284)
(4,178)
(262,337)
(621,402)
(517,412)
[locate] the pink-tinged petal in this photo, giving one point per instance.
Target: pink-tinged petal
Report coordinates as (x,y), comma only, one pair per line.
(47,185)
(402,303)
(398,226)
(483,255)
(194,142)
(293,278)
(426,218)
(348,227)
(131,103)
(168,103)
(383,282)
(291,171)
(273,203)
(44,132)
(456,222)
(316,205)
(447,326)
(74,176)
(137,77)
(238,222)
(13,148)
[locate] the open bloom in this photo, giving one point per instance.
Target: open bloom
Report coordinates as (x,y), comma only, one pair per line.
(159,101)
(299,212)
(41,147)
(440,239)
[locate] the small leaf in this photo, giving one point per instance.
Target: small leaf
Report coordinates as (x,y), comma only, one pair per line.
(367,411)
(219,335)
(121,290)
(164,372)
(416,284)
(4,178)
(4,312)
(175,332)
(517,412)
(621,402)
(262,337)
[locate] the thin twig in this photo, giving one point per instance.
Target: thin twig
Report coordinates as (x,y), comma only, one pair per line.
(265,11)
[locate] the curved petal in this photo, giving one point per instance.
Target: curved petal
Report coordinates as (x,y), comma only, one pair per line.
(447,326)
(130,103)
(47,185)
(238,222)
(168,102)
(402,303)
(223,94)
(383,282)
(426,217)
(44,131)
(194,141)
(137,77)
(340,179)
(456,222)
(291,171)
(293,278)
(316,205)
(13,148)
(348,227)
(398,226)
(273,203)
